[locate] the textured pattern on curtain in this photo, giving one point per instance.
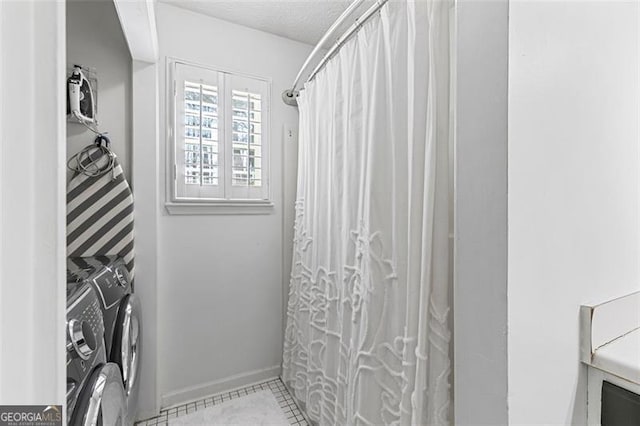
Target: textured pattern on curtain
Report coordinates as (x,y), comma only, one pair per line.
(367,335)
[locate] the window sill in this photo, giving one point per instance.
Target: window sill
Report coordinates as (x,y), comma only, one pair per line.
(221,207)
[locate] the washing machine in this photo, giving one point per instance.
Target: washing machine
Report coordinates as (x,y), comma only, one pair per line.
(95,394)
(120,308)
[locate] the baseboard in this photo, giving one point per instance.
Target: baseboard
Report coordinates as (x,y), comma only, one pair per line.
(192,393)
(145,414)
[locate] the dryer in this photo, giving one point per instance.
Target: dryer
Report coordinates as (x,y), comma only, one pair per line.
(95,394)
(120,307)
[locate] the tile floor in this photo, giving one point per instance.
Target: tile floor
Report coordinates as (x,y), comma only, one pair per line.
(280,392)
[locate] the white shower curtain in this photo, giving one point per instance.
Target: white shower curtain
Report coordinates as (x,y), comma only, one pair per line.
(367,336)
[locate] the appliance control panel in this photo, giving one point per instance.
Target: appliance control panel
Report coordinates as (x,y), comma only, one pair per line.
(85,327)
(85,338)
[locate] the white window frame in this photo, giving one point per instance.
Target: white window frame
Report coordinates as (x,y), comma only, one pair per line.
(224,198)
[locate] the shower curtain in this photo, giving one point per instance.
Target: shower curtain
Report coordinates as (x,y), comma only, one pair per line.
(367,335)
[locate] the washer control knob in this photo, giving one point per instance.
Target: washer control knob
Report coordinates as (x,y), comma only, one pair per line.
(82,338)
(121,278)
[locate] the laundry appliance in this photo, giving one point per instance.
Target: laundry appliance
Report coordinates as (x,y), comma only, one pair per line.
(120,307)
(95,395)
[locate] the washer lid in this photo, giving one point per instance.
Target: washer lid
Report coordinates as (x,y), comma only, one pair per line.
(102,401)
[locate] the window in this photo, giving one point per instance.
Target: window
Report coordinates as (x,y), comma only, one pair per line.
(220,138)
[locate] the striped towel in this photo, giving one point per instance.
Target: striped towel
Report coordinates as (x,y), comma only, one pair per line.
(100,216)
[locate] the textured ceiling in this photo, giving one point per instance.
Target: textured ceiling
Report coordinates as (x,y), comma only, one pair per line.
(302,20)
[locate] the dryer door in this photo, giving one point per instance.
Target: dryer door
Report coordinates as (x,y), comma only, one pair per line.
(126,349)
(102,401)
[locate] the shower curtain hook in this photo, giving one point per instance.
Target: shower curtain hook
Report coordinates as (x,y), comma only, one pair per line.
(358,24)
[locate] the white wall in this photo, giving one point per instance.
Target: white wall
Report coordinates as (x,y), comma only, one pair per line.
(221,277)
(573,191)
(32,208)
(480,249)
(95,40)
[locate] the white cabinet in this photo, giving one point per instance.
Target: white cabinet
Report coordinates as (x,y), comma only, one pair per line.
(610,347)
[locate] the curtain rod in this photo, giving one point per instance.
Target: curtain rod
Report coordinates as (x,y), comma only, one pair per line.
(346,36)
(289,96)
